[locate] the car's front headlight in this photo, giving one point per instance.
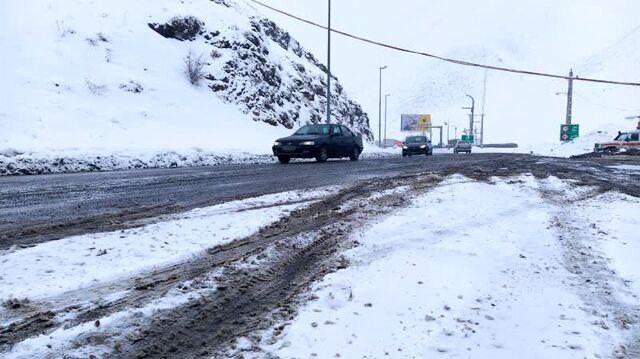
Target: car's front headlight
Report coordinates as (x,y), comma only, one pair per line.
(308,143)
(423,146)
(277,143)
(405,147)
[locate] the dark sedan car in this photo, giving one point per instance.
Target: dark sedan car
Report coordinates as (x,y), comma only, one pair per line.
(417,145)
(320,142)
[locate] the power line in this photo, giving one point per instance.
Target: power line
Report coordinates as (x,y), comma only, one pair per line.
(453,61)
(608,48)
(604,106)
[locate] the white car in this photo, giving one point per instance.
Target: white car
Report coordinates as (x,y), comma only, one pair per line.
(624,141)
(462,146)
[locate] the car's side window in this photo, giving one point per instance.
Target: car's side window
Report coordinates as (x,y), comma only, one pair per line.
(336,131)
(346,132)
(634,136)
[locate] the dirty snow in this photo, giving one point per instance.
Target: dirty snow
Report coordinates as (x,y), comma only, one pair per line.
(65,342)
(473,270)
(76,262)
(14,162)
(634,169)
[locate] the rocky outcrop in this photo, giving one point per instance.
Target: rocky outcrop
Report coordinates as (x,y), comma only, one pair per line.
(266,72)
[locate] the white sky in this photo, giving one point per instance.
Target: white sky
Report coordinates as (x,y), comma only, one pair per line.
(545,35)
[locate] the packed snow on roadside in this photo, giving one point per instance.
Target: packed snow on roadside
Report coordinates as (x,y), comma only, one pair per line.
(13,162)
(76,262)
(480,270)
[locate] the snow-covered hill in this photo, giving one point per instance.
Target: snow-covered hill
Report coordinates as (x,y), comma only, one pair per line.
(94,77)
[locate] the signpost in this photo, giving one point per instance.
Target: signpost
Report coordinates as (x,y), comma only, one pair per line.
(569,132)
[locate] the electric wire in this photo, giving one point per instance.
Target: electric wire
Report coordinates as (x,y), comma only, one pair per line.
(599,58)
(602,105)
(441,58)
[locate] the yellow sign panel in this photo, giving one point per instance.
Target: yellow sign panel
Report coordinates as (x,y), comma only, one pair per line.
(424,123)
(412,123)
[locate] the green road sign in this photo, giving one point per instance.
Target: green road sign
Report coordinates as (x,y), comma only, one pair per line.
(468,138)
(569,132)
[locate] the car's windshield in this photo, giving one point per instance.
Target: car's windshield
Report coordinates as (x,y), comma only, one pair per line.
(623,136)
(313,130)
(414,139)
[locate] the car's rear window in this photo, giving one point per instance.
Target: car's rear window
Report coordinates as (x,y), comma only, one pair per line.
(416,139)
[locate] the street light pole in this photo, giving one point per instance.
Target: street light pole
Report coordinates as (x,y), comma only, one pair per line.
(484,96)
(380,108)
(446,123)
(473,107)
(386,98)
(329,65)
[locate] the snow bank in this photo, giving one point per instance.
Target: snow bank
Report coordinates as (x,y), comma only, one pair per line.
(582,144)
(13,162)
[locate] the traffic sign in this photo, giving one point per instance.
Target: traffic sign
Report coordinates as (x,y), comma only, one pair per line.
(569,132)
(468,138)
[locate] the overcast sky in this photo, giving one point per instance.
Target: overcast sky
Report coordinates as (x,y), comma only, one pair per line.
(543,35)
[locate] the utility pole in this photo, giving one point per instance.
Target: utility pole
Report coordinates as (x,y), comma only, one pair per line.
(570,98)
(329,65)
(484,95)
(380,108)
(386,98)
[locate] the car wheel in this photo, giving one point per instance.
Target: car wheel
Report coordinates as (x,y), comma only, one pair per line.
(356,154)
(323,155)
(610,150)
(284,159)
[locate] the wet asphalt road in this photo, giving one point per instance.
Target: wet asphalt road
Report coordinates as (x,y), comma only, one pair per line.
(34,209)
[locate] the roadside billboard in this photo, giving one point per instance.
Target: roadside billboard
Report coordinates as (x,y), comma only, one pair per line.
(415,123)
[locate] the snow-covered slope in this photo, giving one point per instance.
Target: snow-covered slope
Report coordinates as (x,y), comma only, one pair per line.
(94,76)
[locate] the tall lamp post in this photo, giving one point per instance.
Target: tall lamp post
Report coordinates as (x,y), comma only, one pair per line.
(472,108)
(329,65)
(386,99)
(447,124)
(380,108)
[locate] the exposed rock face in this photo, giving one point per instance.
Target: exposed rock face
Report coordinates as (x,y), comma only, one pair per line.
(180,28)
(266,72)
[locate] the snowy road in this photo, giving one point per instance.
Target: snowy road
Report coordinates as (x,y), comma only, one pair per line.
(34,209)
(470,256)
